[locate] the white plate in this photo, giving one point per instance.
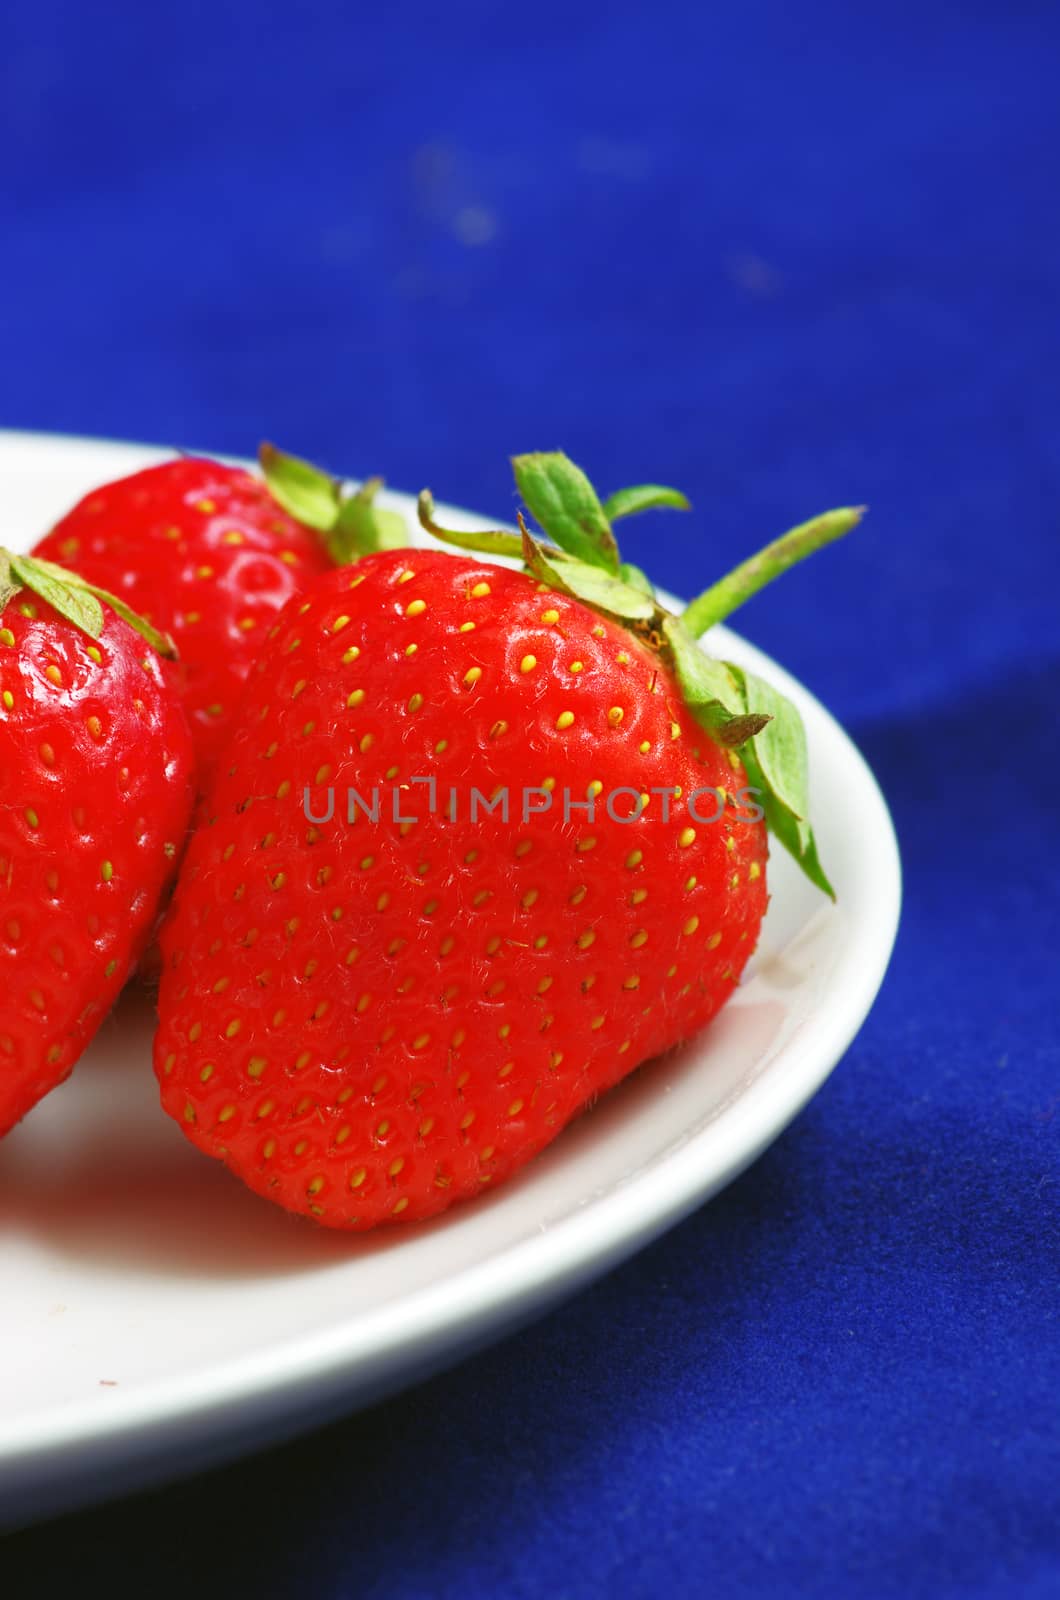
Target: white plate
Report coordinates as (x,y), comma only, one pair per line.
(157,1316)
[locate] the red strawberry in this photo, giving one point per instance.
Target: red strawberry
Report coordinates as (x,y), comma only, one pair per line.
(370,1022)
(210,554)
(95,796)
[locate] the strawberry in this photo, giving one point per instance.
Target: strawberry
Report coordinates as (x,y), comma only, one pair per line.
(379,996)
(95,796)
(210,553)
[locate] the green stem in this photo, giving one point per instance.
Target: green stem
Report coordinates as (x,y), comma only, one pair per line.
(723,597)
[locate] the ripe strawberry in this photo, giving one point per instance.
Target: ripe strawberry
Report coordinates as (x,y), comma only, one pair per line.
(95,797)
(210,553)
(368,1022)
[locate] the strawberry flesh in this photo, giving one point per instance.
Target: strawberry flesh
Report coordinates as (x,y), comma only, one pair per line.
(206,554)
(95,795)
(370,1022)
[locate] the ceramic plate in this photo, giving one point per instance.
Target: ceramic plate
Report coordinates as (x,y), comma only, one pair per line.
(156,1316)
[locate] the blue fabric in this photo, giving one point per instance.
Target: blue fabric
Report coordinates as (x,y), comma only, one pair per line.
(784,256)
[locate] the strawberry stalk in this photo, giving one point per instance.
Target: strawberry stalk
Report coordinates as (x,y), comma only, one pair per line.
(730,592)
(582,559)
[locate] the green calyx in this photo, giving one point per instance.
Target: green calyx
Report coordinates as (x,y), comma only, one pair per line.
(748,715)
(351,523)
(74,598)
(581,558)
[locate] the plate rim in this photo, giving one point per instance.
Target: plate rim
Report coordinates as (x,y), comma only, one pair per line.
(520,1278)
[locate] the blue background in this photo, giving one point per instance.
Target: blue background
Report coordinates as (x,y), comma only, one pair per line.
(785,257)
